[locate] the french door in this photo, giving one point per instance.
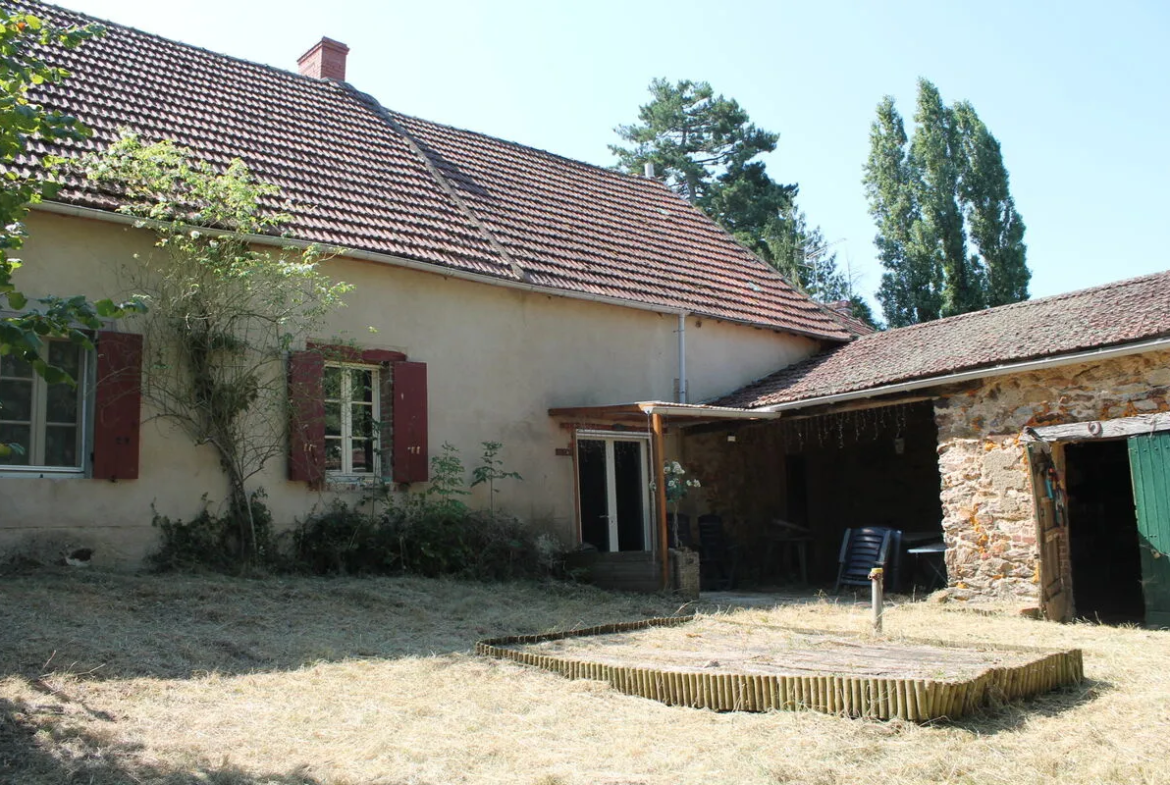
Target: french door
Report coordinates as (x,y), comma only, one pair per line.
(613,485)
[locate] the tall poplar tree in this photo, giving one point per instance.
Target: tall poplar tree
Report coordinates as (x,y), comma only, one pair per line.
(911,287)
(994,224)
(933,196)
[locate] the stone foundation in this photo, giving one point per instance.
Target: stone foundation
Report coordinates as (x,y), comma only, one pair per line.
(988,516)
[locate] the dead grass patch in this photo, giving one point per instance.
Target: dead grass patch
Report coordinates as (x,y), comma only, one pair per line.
(183,680)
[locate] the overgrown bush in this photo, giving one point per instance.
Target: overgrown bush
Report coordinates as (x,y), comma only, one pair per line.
(431,533)
(426,539)
(212,541)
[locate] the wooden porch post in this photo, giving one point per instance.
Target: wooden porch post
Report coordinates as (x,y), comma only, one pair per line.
(660,496)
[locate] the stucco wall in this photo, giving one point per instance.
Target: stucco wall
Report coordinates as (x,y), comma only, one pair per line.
(497,360)
(987,499)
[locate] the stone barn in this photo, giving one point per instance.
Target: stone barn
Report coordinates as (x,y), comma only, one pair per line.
(1031,438)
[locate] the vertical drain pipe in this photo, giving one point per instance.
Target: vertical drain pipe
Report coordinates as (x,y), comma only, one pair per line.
(682,358)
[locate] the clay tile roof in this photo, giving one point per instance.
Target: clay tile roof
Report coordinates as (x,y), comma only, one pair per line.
(368,179)
(1118,313)
(842,311)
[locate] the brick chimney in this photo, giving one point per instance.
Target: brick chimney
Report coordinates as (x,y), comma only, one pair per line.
(326,60)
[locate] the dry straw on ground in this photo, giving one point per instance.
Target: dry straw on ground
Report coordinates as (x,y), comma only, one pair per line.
(182,680)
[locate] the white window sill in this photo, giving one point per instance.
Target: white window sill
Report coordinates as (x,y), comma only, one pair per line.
(41,473)
(354,482)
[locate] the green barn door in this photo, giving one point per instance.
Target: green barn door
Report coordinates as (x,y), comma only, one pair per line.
(1149,462)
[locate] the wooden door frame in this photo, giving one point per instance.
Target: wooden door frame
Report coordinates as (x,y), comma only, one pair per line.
(1061,607)
(1051,520)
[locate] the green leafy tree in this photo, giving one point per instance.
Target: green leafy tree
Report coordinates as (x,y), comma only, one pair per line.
(223,313)
(24,38)
(801,254)
(703,145)
(930,196)
(936,155)
(911,287)
(995,227)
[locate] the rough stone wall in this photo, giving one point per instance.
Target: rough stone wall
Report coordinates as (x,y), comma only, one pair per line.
(988,516)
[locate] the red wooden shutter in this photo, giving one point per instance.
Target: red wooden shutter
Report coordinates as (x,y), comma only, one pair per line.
(117,408)
(411,461)
(306,433)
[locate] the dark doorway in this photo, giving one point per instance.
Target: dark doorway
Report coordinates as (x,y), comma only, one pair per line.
(630,495)
(594,491)
(796,482)
(1103,533)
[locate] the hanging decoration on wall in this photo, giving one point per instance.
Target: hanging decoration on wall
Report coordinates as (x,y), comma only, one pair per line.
(841,429)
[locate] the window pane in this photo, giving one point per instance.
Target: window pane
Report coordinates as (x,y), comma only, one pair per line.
(65,356)
(363,421)
(363,385)
(333,455)
(363,455)
(14,368)
(61,406)
(332,419)
(61,445)
(16,434)
(16,400)
(332,383)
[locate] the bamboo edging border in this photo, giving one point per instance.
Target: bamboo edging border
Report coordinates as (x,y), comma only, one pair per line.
(917,700)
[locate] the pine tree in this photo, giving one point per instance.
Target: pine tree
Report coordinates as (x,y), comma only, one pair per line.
(929,196)
(703,146)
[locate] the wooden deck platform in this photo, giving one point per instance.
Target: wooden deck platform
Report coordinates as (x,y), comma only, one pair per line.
(710,663)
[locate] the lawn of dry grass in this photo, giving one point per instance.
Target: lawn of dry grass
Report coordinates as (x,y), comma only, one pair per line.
(182,680)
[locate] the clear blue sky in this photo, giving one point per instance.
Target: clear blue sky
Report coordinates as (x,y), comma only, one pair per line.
(1078,93)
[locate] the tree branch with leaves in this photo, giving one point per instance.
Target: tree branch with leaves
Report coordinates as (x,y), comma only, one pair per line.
(24,41)
(223,311)
(934,195)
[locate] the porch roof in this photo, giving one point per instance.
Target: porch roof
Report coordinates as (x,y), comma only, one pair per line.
(639,411)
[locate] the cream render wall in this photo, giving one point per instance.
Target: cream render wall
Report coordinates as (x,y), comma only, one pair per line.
(497,360)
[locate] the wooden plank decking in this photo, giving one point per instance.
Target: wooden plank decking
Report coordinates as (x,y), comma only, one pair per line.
(820,671)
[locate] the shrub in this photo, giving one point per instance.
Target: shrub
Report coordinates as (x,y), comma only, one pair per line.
(431,533)
(212,541)
(425,539)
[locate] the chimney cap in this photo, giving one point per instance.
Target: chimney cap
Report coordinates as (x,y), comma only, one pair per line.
(324,60)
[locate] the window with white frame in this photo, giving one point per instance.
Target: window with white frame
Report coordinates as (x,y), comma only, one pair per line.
(45,422)
(352,416)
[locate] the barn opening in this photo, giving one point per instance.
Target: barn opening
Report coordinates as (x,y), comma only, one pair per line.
(786,490)
(1104,553)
